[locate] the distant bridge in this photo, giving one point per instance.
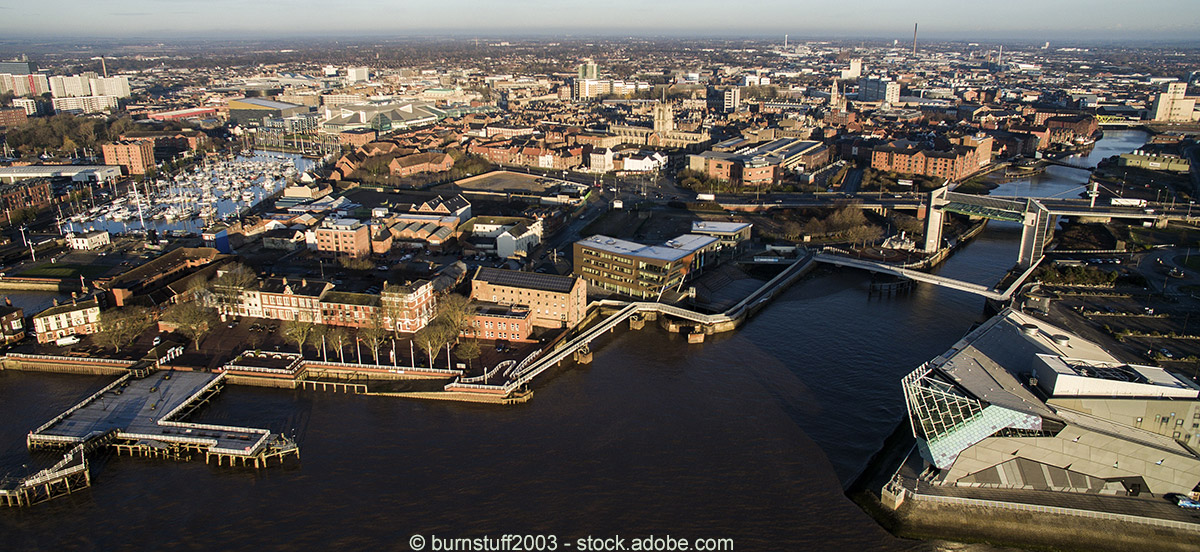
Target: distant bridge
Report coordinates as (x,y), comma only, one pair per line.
(1070,165)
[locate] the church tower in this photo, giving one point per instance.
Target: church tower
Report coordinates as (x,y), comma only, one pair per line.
(664,117)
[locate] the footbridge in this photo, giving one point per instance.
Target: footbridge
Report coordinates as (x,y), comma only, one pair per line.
(521,374)
(885,268)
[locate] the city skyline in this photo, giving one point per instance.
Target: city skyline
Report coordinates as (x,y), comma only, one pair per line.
(1075,20)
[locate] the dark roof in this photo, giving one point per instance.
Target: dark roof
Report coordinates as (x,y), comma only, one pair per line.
(68,307)
(301,286)
(346,298)
(527,280)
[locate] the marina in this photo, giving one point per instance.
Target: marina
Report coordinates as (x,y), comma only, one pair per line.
(189,201)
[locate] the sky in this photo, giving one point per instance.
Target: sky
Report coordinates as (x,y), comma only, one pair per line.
(1036,20)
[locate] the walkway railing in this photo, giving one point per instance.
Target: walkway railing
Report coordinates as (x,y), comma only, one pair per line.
(81,404)
(874,266)
(382,367)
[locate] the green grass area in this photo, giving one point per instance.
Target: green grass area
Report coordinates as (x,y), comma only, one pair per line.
(1171,235)
(63,271)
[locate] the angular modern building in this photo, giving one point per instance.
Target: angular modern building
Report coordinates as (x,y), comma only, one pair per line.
(1019,403)
(643,271)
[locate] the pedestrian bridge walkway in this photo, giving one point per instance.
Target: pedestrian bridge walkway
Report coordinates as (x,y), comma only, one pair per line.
(531,367)
(875,266)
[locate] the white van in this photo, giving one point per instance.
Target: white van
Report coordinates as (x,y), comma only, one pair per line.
(68,340)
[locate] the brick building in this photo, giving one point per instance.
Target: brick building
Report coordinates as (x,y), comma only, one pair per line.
(32,193)
(500,322)
(553,301)
(12,116)
(420,163)
(136,156)
(763,165)
(961,158)
(343,238)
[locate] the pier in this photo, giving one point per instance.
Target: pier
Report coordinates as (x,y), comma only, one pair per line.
(141,417)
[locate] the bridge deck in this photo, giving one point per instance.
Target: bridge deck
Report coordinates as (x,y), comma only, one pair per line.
(141,409)
(915,275)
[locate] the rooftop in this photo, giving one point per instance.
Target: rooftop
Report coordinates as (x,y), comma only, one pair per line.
(527,280)
(672,250)
(711,227)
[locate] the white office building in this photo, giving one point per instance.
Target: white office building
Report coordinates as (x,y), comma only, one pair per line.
(358,74)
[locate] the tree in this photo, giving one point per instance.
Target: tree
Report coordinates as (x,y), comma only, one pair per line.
(374,334)
(432,337)
(863,234)
(456,312)
(319,332)
(192,319)
(119,327)
(254,339)
(908,223)
(230,283)
(468,350)
(298,332)
(339,338)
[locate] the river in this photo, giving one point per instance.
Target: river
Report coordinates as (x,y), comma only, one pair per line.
(749,436)
(1065,182)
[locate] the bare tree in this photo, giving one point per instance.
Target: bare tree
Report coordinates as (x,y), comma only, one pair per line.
(374,334)
(119,327)
(432,337)
(298,332)
(468,350)
(455,312)
(229,285)
(339,338)
(192,319)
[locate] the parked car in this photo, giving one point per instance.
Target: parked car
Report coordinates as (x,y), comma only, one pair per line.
(1183,501)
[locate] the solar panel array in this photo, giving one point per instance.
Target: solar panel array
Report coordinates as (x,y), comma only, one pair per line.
(530,280)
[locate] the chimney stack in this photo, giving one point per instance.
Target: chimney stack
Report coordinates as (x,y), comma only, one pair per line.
(914,39)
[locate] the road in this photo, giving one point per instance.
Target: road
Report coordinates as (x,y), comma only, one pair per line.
(853,181)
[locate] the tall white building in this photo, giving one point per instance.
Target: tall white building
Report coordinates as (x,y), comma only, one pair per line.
(24,85)
(587,70)
(111,86)
(733,99)
(879,90)
(70,87)
(358,74)
(854,71)
(30,106)
(1172,105)
(85,104)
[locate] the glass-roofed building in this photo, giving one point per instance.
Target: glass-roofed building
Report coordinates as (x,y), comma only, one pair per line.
(1020,403)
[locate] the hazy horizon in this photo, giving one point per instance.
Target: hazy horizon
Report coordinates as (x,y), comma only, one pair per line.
(1098,21)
